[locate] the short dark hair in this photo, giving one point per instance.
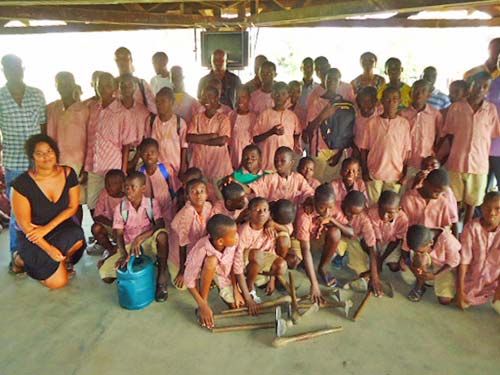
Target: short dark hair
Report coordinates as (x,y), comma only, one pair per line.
(252,147)
(166,92)
(123,50)
(146,142)
(308,60)
(114,173)
(303,161)
(324,193)
(491,196)
(218,225)
(278,86)
(320,60)
(34,140)
(136,175)
(268,64)
(389,90)
(10,60)
(389,198)
(212,89)
(194,182)
(460,83)
(368,54)
(283,211)
(160,54)
(355,199)
(333,71)
(422,82)
(65,76)
(348,161)
(417,236)
(232,191)
(393,60)
(193,172)
(255,201)
(438,177)
(367,91)
(284,150)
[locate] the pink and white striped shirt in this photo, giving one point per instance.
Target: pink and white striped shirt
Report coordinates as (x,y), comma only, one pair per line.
(260,101)
(250,238)
(106,205)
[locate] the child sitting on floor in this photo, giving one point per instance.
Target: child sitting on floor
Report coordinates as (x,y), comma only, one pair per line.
(102,229)
(390,225)
(306,169)
(188,226)
(321,230)
(251,165)
(262,262)
(479,270)
(436,252)
(138,226)
(350,180)
(283,214)
(213,258)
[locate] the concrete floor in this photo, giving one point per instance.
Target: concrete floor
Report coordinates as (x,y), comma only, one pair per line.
(82,330)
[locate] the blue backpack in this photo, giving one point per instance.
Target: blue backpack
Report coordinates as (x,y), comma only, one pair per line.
(165,174)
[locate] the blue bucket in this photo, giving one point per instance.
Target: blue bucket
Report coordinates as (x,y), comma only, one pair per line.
(136,283)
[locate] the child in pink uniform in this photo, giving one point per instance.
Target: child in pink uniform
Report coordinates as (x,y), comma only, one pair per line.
(170,130)
(436,252)
(284,184)
(306,169)
(187,227)
(368,107)
(429,206)
(208,135)
(138,226)
(158,184)
(350,180)
(276,127)
(262,99)
(109,198)
(425,125)
(214,258)
(385,148)
(479,270)
(390,224)
(109,137)
(242,123)
(222,108)
(470,126)
(321,230)
(258,247)
(233,204)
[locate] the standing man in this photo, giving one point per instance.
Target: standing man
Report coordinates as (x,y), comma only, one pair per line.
(22,114)
(230,81)
(438,99)
(255,83)
(145,95)
(162,77)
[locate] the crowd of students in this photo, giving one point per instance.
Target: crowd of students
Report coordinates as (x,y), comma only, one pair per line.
(248,181)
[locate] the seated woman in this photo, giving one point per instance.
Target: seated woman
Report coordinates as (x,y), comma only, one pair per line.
(44,200)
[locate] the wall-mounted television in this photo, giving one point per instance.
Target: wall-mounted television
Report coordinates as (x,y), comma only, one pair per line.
(234,43)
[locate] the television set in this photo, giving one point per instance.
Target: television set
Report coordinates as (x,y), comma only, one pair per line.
(234,43)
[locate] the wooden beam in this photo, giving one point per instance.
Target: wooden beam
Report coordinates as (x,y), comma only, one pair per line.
(74,28)
(134,7)
(100,16)
(89,2)
(341,10)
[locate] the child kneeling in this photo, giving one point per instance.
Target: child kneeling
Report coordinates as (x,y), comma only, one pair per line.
(138,225)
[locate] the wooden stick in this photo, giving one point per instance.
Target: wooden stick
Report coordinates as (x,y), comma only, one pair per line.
(263,305)
(243,327)
(326,305)
(361,307)
(238,314)
(279,342)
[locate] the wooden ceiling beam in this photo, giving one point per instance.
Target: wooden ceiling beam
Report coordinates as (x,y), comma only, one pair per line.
(89,2)
(341,10)
(100,16)
(134,7)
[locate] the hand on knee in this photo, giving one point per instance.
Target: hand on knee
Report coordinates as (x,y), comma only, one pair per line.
(279,267)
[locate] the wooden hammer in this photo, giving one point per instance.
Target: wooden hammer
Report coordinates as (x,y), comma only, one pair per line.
(279,342)
(263,305)
(243,327)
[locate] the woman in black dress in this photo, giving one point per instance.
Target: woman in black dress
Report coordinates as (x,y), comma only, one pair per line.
(44,200)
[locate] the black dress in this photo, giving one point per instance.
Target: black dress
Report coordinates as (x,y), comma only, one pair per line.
(38,264)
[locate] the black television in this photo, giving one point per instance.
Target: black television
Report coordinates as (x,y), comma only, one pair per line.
(235,43)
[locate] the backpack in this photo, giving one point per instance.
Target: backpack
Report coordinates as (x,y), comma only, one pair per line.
(165,174)
(152,118)
(149,211)
(338,130)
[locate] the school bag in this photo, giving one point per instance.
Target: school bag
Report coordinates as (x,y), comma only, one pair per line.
(165,174)
(149,211)
(338,130)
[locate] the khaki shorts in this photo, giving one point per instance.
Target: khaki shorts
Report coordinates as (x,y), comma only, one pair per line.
(444,285)
(149,247)
(375,188)
(323,171)
(95,184)
(267,263)
(469,188)
(317,245)
(83,188)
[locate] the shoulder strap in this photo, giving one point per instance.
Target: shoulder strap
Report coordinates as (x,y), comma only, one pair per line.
(178,125)
(149,211)
(163,171)
(152,118)
(123,207)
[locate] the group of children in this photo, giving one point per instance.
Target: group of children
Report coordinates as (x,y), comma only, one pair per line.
(227,197)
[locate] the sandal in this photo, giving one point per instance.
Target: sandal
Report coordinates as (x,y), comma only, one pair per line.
(13,268)
(416,295)
(329,281)
(161,294)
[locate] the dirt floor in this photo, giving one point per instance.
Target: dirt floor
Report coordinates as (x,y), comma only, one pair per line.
(82,330)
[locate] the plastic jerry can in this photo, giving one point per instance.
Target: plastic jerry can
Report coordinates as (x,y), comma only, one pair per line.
(136,283)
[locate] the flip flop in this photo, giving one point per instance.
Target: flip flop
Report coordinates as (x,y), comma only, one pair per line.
(416,295)
(329,281)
